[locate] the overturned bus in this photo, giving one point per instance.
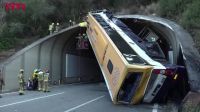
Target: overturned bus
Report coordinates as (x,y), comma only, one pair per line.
(134,67)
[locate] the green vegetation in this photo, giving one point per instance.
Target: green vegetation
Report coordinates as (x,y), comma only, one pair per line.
(185,12)
(191,16)
(172,8)
(15,26)
(19,25)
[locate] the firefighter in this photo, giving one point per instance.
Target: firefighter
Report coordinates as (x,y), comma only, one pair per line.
(40,80)
(57,27)
(46,81)
(21,82)
(1,83)
(35,79)
(70,22)
(51,28)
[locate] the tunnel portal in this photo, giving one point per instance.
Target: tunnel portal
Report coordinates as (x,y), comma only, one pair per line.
(59,54)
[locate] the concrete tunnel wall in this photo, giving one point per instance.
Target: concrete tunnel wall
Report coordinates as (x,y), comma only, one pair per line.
(46,53)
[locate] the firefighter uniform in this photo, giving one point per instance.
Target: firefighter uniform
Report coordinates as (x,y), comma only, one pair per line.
(57,28)
(51,27)
(34,73)
(35,79)
(70,22)
(40,80)
(1,85)
(46,82)
(83,24)
(21,82)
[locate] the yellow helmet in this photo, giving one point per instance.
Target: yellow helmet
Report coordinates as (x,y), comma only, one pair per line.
(35,70)
(21,70)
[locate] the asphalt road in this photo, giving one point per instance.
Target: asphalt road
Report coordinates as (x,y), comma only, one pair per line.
(68,98)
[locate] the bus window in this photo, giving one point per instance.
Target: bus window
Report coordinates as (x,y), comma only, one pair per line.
(154,50)
(129,87)
(110,66)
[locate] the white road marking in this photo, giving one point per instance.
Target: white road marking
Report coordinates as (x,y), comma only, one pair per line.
(71,109)
(8,93)
(30,100)
(155,108)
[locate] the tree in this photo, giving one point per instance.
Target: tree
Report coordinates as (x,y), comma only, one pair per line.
(35,17)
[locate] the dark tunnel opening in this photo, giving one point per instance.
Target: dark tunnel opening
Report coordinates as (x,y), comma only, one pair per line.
(79,60)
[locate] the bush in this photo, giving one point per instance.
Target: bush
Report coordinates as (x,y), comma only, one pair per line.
(191,16)
(185,12)
(35,18)
(7,37)
(6,43)
(172,8)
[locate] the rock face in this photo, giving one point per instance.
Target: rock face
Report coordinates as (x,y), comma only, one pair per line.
(191,103)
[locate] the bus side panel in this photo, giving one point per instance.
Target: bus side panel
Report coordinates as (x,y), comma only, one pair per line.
(114,68)
(98,39)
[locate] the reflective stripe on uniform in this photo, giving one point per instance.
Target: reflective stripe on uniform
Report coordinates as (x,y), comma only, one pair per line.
(46,77)
(40,76)
(20,78)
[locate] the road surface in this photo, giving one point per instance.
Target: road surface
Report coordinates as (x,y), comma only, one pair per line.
(68,98)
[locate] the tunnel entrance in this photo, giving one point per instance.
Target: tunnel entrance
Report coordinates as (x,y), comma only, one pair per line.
(146,30)
(56,53)
(79,61)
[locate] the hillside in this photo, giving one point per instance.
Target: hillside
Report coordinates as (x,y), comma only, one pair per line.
(18,28)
